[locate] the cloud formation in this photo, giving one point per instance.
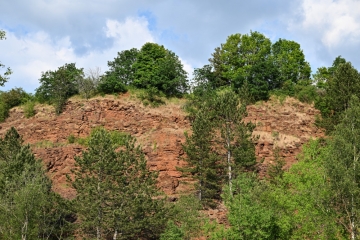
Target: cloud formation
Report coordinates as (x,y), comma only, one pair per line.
(332,27)
(31,54)
(43,35)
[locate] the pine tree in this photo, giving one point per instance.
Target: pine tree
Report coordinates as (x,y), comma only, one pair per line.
(116,193)
(220,143)
(235,134)
(28,207)
(203,162)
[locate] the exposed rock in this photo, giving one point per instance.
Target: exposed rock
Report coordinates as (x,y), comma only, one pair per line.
(160,131)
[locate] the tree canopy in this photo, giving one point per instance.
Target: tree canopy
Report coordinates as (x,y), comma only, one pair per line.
(57,86)
(151,67)
(4,77)
(116,192)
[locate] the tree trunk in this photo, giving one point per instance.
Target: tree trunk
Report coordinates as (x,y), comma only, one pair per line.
(24,228)
(98,227)
(352,219)
(115,235)
(229,158)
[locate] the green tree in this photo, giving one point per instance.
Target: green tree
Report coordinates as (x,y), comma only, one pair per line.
(249,214)
(116,193)
(122,66)
(338,83)
(57,86)
(343,167)
(28,207)
(187,219)
(88,85)
(235,135)
(10,99)
(297,206)
(245,58)
(203,162)
(220,143)
(290,62)
(5,77)
(160,68)
(121,72)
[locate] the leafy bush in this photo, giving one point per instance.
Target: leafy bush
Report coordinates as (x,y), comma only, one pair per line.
(57,86)
(10,99)
(117,138)
(110,84)
(71,139)
(29,109)
(152,97)
(4,111)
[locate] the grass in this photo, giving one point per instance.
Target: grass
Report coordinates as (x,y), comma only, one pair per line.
(47,144)
(118,139)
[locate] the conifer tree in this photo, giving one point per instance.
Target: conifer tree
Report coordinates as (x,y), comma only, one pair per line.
(220,145)
(203,162)
(235,134)
(116,191)
(28,207)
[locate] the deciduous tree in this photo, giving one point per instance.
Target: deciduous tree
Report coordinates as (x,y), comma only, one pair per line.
(343,166)
(5,76)
(57,86)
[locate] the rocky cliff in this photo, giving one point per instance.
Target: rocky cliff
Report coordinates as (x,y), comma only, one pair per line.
(286,124)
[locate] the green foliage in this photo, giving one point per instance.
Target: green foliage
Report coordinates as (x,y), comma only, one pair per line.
(159,68)
(296,207)
(187,215)
(220,145)
(71,139)
(250,215)
(336,85)
(29,109)
(118,139)
(28,207)
(116,193)
(152,96)
(252,60)
(4,77)
(275,170)
(289,60)
(343,165)
(244,58)
(88,85)
(153,68)
(110,84)
(10,99)
(57,86)
(122,68)
(172,232)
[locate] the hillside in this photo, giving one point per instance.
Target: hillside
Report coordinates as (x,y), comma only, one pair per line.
(286,124)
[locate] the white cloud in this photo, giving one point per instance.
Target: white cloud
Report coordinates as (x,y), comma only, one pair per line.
(133,32)
(337,22)
(187,67)
(34,53)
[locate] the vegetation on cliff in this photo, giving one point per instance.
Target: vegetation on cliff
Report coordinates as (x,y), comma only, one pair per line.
(117,197)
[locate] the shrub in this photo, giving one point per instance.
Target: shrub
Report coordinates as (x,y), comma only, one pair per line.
(71,139)
(110,84)
(10,99)
(29,109)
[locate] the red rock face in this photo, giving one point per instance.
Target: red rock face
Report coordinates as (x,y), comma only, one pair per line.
(160,131)
(286,125)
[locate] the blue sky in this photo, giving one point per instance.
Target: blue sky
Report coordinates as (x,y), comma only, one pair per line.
(45,34)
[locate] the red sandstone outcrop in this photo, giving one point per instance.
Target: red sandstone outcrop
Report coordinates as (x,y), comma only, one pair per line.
(160,131)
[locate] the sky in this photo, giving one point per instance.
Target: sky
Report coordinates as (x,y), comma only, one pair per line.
(45,34)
